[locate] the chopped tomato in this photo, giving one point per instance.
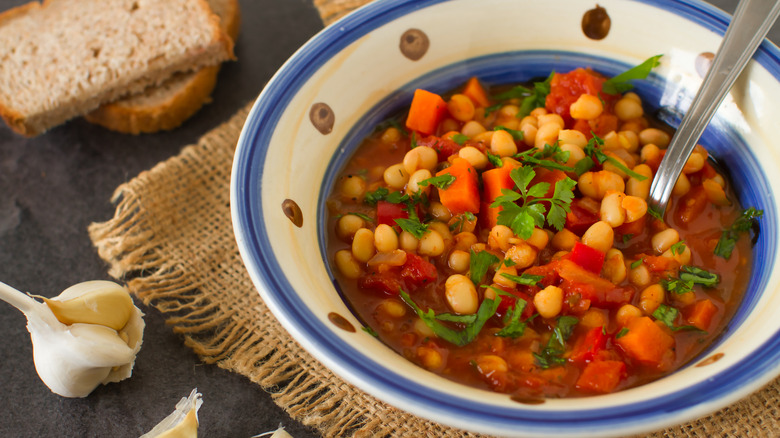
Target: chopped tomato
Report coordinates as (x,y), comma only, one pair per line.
(383,282)
(566,88)
(418,271)
(580,218)
(444,147)
(387,213)
(588,346)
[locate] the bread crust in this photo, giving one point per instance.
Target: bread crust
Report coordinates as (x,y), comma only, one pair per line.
(135,114)
(55,109)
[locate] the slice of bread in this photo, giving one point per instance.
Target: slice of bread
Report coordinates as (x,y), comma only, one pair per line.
(64,58)
(177,99)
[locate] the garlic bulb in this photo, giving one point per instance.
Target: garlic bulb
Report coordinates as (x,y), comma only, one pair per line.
(278,433)
(88,335)
(182,422)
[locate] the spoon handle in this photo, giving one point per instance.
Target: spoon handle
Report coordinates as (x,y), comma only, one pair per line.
(752,21)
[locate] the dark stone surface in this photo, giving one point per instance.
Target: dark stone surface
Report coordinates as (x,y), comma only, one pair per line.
(53,186)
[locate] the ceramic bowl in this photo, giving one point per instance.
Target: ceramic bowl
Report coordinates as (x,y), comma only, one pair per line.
(336,88)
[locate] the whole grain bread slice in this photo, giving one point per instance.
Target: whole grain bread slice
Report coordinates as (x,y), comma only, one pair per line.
(64,58)
(167,106)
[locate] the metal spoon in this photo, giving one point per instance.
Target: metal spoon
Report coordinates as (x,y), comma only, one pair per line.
(752,20)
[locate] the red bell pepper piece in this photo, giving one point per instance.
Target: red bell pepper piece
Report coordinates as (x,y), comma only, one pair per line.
(587,257)
(589,346)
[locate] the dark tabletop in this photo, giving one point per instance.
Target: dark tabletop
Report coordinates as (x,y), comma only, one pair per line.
(53,186)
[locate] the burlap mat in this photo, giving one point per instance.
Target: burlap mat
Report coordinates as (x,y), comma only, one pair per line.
(172,240)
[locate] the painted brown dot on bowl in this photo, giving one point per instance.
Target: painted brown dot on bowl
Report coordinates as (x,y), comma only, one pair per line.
(710,360)
(322,117)
(414,44)
(527,400)
(703,62)
(341,322)
(293,212)
(596,23)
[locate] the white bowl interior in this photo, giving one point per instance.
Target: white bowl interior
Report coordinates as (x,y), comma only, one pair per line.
(365,78)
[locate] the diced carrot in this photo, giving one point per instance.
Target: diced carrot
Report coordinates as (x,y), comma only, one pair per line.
(692,204)
(700,314)
(645,341)
(602,376)
(493,181)
(476,93)
(426,112)
(463,194)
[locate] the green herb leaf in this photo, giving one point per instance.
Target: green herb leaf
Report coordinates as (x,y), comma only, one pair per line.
(479,265)
(460,139)
(460,338)
(516,92)
(593,149)
(413,140)
(537,97)
(413,226)
(513,327)
(621,84)
(627,237)
(441,182)
(524,279)
(365,217)
(678,248)
(621,333)
(372,198)
(370,331)
(654,213)
(667,315)
(492,108)
(743,224)
(637,263)
(698,276)
(495,160)
(551,355)
(677,286)
(516,135)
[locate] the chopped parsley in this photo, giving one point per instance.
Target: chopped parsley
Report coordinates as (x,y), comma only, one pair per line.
(372,198)
(479,264)
(667,315)
(365,217)
(370,331)
(522,219)
(472,323)
(677,286)
(743,224)
(552,354)
(461,220)
(516,135)
(413,226)
(441,182)
(551,157)
(460,139)
(593,149)
(620,83)
(513,327)
(524,279)
(621,333)
(492,108)
(678,248)
(637,263)
(699,276)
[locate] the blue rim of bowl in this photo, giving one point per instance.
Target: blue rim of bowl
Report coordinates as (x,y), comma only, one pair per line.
(252,236)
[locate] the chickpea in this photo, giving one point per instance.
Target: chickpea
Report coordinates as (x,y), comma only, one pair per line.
(682,186)
(586,107)
(347,264)
(663,240)
(612,211)
(626,313)
(408,242)
(502,280)
(529,134)
(615,266)
(464,240)
(459,261)
(627,109)
(564,240)
(472,128)
(461,107)
(421,157)
(353,187)
(651,297)
(391,135)
(549,301)
(392,308)
(594,318)
(539,239)
(431,244)
(385,238)
(599,236)
(547,119)
(654,136)
(503,144)
(461,294)
(439,212)
(637,188)
(546,134)
(396,176)
(639,276)
(487,364)
(499,237)
(635,208)
(363,245)
(474,156)
(596,184)
(522,254)
(429,358)
(347,226)
(573,137)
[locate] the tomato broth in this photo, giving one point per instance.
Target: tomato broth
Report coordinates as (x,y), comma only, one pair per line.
(501,238)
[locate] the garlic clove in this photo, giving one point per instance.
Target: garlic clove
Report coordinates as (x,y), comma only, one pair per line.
(73,359)
(278,433)
(93,302)
(182,422)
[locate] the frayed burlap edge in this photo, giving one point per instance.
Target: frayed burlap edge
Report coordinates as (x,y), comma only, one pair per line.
(171,239)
